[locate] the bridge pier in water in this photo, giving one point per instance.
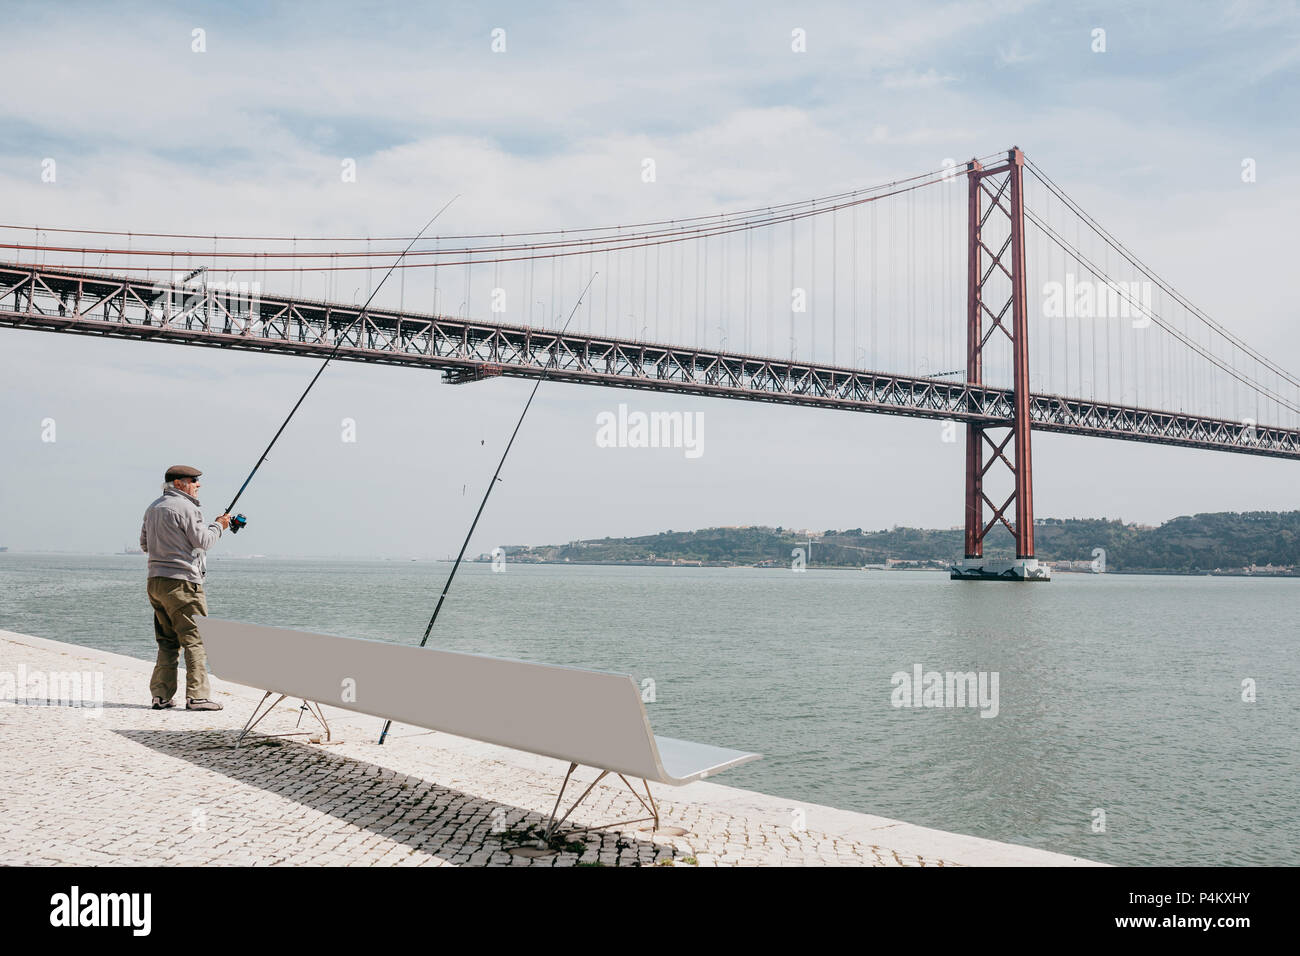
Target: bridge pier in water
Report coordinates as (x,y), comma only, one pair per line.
(995,286)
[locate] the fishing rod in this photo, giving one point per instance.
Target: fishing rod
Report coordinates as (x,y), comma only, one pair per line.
(239,521)
(492,484)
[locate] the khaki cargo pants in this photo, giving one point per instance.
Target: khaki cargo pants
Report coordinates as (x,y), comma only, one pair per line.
(175,603)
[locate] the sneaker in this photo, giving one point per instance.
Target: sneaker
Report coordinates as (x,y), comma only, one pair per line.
(192,704)
(160,704)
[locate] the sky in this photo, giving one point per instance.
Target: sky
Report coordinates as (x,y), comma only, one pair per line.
(247,137)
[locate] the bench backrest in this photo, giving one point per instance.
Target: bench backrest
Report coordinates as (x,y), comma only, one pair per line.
(581,716)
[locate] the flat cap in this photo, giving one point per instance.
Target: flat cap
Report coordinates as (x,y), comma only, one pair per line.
(181,471)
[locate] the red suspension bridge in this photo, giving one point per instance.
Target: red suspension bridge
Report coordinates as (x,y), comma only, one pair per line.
(1057,325)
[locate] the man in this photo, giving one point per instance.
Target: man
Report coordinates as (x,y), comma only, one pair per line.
(176,540)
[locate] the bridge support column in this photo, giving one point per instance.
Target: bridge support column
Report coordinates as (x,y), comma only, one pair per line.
(997,321)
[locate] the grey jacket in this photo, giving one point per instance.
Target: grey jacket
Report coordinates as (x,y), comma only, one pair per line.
(174,537)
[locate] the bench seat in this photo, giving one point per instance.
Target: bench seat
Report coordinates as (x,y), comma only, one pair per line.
(585,717)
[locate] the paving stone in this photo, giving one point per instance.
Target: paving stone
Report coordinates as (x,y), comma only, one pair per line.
(164,787)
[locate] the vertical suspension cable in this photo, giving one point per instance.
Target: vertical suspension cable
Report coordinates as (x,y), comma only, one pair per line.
(658,309)
(793,243)
(702,305)
(700,249)
(812,285)
(749,286)
(853,252)
(913,326)
(890,328)
(725,290)
(679,281)
(875,364)
(771,292)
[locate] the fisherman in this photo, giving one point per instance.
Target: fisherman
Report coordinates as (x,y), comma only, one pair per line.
(176,540)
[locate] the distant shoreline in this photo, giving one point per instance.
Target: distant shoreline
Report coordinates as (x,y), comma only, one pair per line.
(843,567)
(1225,544)
(1217,573)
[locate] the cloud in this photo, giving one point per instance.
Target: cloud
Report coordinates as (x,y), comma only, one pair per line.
(1013,55)
(913,80)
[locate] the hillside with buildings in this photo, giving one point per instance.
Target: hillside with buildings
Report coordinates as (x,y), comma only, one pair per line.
(1261,542)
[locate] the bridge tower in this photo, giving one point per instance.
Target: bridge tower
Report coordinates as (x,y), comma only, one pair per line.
(997,327)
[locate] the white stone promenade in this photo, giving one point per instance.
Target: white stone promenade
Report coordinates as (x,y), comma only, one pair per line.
(123,784)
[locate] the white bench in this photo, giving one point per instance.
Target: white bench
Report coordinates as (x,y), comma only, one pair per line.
(585,717)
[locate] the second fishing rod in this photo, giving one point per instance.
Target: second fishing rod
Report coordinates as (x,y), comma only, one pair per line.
(496,476)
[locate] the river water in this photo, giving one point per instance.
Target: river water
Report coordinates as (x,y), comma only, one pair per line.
(1118,694)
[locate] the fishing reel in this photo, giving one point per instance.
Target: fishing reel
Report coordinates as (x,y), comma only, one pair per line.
(237,522)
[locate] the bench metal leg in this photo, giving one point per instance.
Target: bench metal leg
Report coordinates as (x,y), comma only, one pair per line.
(648,804)
(255,718)
(558,797)
(314,708)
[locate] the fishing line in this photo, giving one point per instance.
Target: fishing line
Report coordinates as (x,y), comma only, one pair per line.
(492,484)
(338,345)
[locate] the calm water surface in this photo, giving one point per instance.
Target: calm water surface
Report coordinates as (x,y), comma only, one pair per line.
(1115,692)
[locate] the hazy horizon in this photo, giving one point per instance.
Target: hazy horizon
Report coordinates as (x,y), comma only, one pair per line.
(472,554)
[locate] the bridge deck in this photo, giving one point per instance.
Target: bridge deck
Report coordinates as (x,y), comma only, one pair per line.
(61,300)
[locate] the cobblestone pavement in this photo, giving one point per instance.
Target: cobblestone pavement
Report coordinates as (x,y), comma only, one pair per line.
(123,784)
